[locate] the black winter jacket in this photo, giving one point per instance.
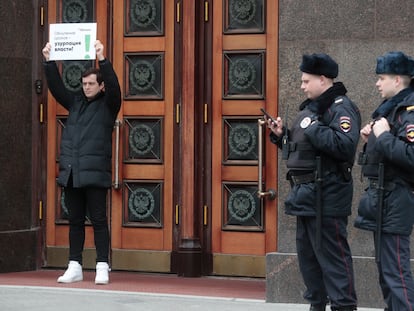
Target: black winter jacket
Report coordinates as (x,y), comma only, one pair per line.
(334,136)
(86,143)
(396,150)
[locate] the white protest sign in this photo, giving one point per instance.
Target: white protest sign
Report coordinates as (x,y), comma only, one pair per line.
(72,41)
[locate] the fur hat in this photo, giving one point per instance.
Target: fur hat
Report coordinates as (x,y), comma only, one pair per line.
(319,64)
(395,63)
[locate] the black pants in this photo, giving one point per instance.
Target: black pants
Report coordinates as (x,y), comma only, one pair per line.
(93,200)
(327,272)
(394,270)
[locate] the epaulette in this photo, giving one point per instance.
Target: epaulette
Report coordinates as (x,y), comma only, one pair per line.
(339,100)
(409,108)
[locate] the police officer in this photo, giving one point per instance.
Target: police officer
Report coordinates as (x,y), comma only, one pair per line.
(387,206)
(321,147)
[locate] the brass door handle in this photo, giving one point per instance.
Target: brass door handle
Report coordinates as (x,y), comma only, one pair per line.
(271,193)
(116,184)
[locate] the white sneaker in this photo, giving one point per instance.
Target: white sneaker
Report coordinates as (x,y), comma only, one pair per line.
(102,273)
(72,274)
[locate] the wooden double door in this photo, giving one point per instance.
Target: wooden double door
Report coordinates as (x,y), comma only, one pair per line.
(188,146)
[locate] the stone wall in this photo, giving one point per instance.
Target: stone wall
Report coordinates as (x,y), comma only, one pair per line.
(18,235)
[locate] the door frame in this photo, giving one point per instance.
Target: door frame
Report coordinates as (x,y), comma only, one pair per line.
(39,130)
(191,255)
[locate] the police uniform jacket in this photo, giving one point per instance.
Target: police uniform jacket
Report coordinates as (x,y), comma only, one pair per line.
(86,142)
(395,149)
(327,127)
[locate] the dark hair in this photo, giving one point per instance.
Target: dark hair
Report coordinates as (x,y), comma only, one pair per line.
(93,71)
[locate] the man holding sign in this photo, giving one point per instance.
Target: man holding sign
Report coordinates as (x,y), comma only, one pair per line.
(85,157)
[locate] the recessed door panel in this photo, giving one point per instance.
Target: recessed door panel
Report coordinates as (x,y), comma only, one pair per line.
(245,64)
(143,52)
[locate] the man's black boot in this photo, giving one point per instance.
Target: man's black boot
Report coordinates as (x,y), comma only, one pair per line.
(317,307)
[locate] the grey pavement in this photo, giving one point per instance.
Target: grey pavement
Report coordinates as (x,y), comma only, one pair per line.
(18,298)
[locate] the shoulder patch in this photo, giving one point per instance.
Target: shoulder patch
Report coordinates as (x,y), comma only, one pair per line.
(409,108)
(345,124)
(409,132)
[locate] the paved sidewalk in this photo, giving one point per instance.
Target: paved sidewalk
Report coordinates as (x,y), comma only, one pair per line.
(35,298)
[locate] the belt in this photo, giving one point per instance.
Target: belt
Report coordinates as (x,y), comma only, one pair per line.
(388,185)
(302,179)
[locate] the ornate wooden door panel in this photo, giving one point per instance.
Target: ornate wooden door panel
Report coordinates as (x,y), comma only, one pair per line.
(245,59)
(143,46)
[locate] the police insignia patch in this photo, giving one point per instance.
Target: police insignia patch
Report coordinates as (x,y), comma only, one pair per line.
(409,132)
(305,122)
(345,123)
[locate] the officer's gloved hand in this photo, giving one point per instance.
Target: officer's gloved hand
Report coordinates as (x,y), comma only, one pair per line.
(314,118)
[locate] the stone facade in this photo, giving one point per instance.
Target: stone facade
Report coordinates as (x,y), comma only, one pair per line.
(18,229)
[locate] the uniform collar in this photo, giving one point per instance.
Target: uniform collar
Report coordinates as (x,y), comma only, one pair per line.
(325,100)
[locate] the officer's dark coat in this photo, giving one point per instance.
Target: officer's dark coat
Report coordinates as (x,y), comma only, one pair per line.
(396,150)
(86,143)
(333,133)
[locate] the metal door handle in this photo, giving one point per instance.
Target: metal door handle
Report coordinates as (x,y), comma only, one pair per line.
(116,184)
(271,193)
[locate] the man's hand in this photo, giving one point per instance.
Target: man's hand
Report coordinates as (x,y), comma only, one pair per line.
(365,131)
(99,48)
(380,126)
(46,51)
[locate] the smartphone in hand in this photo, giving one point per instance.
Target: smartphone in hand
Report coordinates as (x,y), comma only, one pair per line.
(267,115)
